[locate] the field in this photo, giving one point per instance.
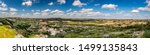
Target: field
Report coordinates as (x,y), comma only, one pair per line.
(73,28)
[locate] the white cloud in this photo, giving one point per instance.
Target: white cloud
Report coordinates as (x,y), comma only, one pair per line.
(96,4)
(27,3)
(2,4)
(36,13)
(120,12)
(61,1)
(3,9)
(146,8)
(148,1)
(51,3)
(4,13)
(46,10)
(56,11)
(45,14)
(78,3)
(13,9)
(135,11)
(143,9)
(69,10)
(13,13)
(86,13)
(25,15)
(91,12)
(72,13)
(109,6)
(86,10)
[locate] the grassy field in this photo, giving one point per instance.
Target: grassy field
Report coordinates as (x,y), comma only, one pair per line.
(73,28)
(7,32)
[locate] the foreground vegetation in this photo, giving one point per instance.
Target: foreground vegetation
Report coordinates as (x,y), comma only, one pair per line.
(73,28)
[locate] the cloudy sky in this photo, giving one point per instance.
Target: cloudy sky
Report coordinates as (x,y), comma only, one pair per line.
(102,9)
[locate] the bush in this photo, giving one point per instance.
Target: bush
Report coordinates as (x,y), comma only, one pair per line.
(5,21)
(146,34)
(71,35)
(23,25)
(147,27)
(59,35)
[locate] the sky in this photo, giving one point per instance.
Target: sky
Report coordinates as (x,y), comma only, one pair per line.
(99,9)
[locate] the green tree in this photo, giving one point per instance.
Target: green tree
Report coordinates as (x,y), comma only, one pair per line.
(6,21)
(22,28)
(146,34)
(23,25)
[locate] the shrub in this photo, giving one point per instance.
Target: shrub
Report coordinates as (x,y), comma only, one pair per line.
(34,36)
(147,27)
(71,35)
(23,25)
(146,34)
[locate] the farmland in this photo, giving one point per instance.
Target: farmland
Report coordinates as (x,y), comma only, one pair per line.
(73,28)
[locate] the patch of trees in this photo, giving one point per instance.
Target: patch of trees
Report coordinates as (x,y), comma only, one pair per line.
(23,25)
(6,21)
